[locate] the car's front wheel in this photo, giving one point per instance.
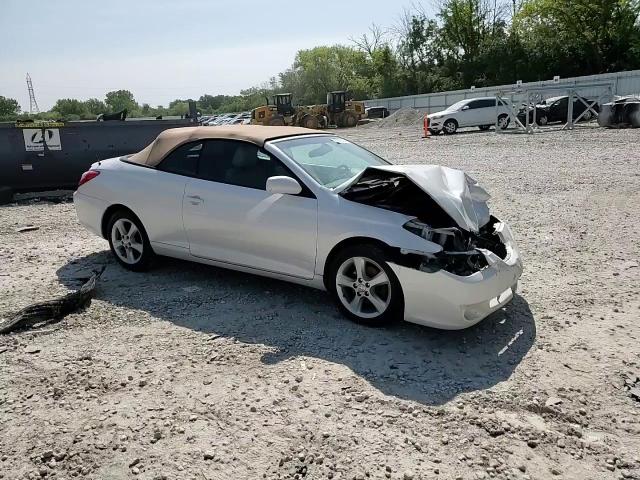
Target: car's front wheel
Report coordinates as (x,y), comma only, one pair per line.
(450,127)
(129,242)
(365,287)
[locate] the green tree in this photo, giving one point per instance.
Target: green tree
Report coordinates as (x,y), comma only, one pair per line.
(471,32)
(420,54)
(68,107)
(95,106)
(387,81)
(120,99)
(580,37)
(178,107)
(9,108)
(211,103)
(323,69)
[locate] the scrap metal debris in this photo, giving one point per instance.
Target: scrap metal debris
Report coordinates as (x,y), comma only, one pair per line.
(52,310)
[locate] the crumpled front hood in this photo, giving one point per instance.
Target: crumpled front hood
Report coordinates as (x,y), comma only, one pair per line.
(454,191)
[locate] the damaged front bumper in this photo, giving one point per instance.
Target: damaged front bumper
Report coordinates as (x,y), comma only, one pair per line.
(444,300)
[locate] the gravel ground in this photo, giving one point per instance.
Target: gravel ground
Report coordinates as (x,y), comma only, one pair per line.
(193,372)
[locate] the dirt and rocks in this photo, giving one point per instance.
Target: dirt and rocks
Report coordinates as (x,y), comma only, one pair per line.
(193,372)
(404,117)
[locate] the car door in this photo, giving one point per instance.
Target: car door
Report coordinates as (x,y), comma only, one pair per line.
(230,217)
(558,110)
(486,111)
(470,114)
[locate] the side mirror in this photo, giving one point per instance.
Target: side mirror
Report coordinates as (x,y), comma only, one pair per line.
(283,185)
(466,107)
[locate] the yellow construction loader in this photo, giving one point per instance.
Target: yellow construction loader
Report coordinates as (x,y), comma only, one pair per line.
(282,112)
(341,112)
(337,112)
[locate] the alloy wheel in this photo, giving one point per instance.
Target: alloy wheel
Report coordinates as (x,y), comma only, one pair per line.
(127,241)
(363,287)
(450,127)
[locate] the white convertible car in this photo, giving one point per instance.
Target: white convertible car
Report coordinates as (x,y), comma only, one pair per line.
(389,242)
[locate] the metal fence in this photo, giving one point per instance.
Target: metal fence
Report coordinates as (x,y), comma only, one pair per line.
(623,83)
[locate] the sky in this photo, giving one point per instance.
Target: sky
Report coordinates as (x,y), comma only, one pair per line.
(166,49)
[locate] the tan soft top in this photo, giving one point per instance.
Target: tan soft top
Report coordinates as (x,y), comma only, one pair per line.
(169,139)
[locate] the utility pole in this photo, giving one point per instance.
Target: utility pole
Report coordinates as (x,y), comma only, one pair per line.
(33,105)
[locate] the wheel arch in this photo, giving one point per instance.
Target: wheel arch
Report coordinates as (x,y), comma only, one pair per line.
(348,242)
(104,224)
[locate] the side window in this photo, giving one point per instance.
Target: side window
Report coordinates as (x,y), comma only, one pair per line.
(487,103)
(183,160)
(238,163)
(473,105)
(561,104)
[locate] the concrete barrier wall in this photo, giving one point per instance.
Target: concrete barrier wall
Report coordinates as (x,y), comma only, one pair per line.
(623,83)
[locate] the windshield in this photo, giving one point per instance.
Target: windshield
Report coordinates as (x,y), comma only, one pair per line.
(330,160)
(457,106)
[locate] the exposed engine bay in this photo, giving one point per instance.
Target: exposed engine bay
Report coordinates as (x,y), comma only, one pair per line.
(461,251)
(435,195)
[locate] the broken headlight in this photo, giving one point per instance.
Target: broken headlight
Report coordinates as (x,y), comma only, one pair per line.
(441,236)
(459,255)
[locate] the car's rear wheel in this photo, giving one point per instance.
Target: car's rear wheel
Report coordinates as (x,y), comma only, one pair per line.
(542,120)
(365,287)
(450,127)
(503,122)
(588,115)
(129,242)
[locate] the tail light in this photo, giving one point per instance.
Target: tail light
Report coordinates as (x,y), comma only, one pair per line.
(88,175)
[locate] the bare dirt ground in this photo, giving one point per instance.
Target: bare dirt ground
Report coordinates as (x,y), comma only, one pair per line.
(193,372)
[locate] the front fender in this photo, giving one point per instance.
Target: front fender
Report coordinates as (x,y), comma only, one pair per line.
(354,220)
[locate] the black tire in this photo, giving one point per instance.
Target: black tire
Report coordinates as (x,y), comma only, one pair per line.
(484,128)
(350,119)
(506,125)
(310,121)
(6,195)
(142,260)
(542,120)
(450,127)
(395,299)
(277,121)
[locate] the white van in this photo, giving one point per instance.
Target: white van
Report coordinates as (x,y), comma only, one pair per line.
(472,112)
